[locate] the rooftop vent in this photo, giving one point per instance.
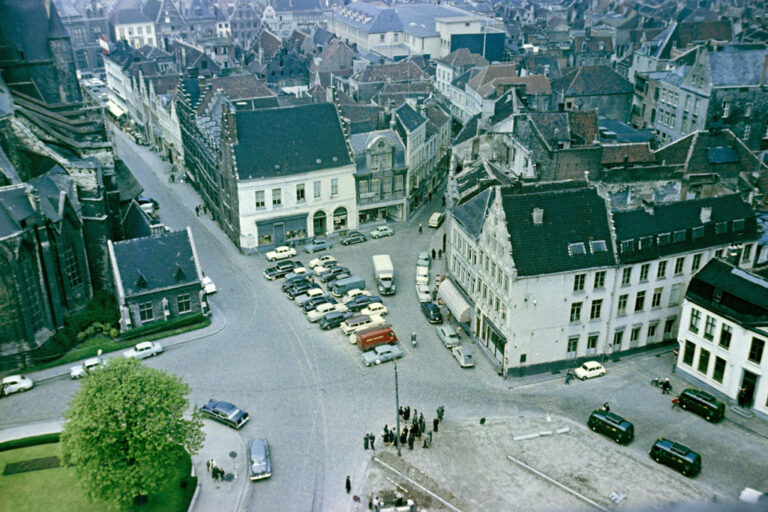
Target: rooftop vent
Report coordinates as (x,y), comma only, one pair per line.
(538,216)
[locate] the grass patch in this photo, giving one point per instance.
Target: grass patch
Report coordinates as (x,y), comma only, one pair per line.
(57,489)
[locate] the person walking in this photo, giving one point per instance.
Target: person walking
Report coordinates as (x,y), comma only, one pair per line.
(666,387)
(403,436)
(568,377)
(435,423)
(433,254)
(373,440)
(419,228)
(411,439)
(422,423)
(407,413)
(440,412)
(348,485)
(439,254)
(366,438)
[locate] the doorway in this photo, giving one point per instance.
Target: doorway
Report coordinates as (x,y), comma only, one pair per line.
(746,396)
(318,223)
(279,231)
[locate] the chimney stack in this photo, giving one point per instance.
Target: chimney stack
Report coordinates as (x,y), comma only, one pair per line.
(705,215)
(538,216)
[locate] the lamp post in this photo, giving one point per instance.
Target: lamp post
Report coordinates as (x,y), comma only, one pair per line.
(397,405)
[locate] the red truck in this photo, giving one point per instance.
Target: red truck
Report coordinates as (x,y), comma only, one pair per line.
(369,339)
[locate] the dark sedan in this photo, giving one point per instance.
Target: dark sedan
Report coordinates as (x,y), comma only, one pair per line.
(337,277)
(361,301)
(316,301)
(333,319)
(287,285)
(259,465)
(299,289)
(333,272)
(226,413)
(282,269)
(355,237)
(432,312)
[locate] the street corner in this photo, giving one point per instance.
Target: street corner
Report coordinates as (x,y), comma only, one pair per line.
(221,467)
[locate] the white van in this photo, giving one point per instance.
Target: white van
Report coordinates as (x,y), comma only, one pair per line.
(436,219)
(358,323)
(422,275)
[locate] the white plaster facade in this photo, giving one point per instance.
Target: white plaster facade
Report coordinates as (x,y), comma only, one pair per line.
(137,34)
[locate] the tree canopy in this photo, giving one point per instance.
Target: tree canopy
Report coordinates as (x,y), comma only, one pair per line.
(124,429)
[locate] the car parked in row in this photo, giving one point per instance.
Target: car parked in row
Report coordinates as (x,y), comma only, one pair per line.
(259,465)
(382,231)
(325,267)
(322,309)
(333,273)
(143,350)
(310,293)
(676,456)
(334,319)
(226,413)
(322,260)
(423,260)
(355,292)
(362,301)
(334,278)
(463,355)
(282,269)
(314,302)
(281,253)
(81,370)
(432,312)
(422,275)
(318,244)
(702,403)
(448,336)
(354,237)
(15,384)
(374,308)
(300,289)
(381,354)
(423,293)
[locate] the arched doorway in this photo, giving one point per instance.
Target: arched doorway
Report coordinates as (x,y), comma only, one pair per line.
(339,218)
(318,223)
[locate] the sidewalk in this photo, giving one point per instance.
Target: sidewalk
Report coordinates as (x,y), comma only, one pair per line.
(220,443)
(31,430)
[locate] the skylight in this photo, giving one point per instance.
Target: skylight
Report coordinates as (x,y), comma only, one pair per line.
(598,246)
(576,248)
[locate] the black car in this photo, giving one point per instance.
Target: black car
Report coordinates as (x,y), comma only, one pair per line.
(432,312)
(333,272)
(304,278)
(333,319)
(354,237)
(226,413)
(337,277)
(316,301)
(611,425)
(703,404)
(299,289)
(676,456)
(282,269)
(361,301)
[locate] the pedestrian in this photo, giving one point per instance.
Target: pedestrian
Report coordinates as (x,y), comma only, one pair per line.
(403,436)
(606,407)
(440,254)
(422,423)
(666,387)
(348,485)
(430,437)
(373,439)
(208,465)
(386,430)
(370,502)
(400,411)
(197,211)
(433,254)
(415,413)
(568,377)
(742,396)
(435,423)
(411,438)
(407,413)
(419,228)
(440,412)
(366,438)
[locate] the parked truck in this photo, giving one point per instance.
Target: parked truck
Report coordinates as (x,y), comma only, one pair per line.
(342,286)
(385,274)
(368,339)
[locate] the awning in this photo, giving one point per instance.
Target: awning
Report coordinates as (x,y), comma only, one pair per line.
(460,308)
(115,109)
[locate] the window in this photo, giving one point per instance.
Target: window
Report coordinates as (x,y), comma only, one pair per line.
(661,271)
(652,332)
(669,325)
(719,372)
(184,303)
(627,246)
(746,253)
(523,358)
(703,361)
(710,324)
(726,333)
(696,262)
(674,294)
(277,199)
(577,248)
(644,272)
(689,353)
(575,311)
(381,37)
(578,282)
(697,232)
(626,276)
(695,320)
(300,193)
(598,246)
(600,280)
(398,183)
(640,300)
(738,225)
(573,345)
(592,343)
(617,337)
(145,312)
(71,268)
(594,312)
(621,309)
(634,334)
(679,265)
(334,187)
(721,227)
(656,299)
(317,189)
(259,196)
(756,350)
(663,239)
(678,236)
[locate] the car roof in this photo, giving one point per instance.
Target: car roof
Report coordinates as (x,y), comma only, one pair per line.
(144,344)
(224,406)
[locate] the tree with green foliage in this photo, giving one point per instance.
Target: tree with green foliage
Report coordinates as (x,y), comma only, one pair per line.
(124,429)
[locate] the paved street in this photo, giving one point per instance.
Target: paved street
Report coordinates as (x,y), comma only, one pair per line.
(307,392)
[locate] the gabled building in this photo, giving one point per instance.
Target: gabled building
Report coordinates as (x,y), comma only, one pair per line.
(168,21)
(453,65)
(132,25)
(366,83)
(85,27)
(724,331)
(595,88)
(201,20)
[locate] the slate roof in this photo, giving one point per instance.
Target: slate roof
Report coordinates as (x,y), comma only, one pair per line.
(471,214)
(49,187)
(15,208)
(613,130)
(638,152)
(576,127)
(743,295)
(734,66)
(128,16)
(468,131)
(592,81)
(172,263)
(683,216)
(409,118)
(464,57)
(400,71)
(360,141)
(198,10)
(546,248)
(484,81)
(286,141)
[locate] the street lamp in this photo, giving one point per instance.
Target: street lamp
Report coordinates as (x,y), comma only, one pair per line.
(397,405)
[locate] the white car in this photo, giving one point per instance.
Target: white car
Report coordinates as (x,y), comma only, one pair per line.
(312,292)
(382,231)
(15,384)
(322,260)
(463,356)
(324,267)
(280,253)
(423,260)
(81,370)
(143,350)
(374,308)
(422,275)
(208,286)
(321,310)
(354,292)
(589,369)
(422,291)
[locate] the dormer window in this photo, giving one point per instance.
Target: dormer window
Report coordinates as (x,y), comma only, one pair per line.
(646,242)
(627,246)
(679,236)
(598,246)
(721,227)
(738,225)
(697,232)
(576,248)
(664,238)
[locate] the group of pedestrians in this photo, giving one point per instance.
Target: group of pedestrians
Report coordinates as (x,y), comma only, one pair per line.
(215,471)
(415,427)
(201,208)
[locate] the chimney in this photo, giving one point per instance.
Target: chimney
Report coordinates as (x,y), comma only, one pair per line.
(648,206)
(705,215)
(538,216)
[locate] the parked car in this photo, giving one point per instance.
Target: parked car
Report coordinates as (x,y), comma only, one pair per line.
(423,293)
(303,284)
(208,286)
(354,237)
(676,456)
(333,319)
(381,354)
(322,309)
(423,260)
(355,292)
(281,253)
(314,302)
(422,275)
(319,244)
(589,369)
(322,260)
(382,231)
(298,273)
(463,356)
(301,289)
(338,277)
(333,273)
(448,336)
(702,403)
(312,292)
(325,267)
(259,465)
(374,308)
(361,301)
(81,370)
(15,384)
(282,269)
(432,312)
(611,425)
(436,219)
(226,413)
(143,350)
